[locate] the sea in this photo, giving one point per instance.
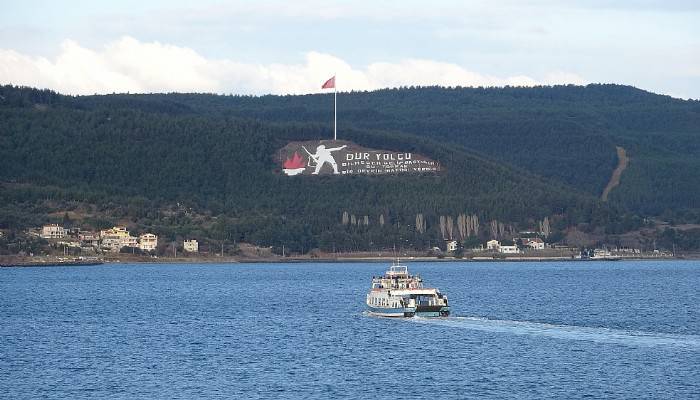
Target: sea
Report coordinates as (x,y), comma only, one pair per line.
(549,330)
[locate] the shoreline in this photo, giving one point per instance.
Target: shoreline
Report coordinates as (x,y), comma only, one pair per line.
(43,262)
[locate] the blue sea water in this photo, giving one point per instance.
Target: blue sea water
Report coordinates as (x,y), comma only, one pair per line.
(518,331)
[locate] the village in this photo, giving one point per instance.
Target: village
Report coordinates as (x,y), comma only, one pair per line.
(115,240)
(534,248)
(73,245)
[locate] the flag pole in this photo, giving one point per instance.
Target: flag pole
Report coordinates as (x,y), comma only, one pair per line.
(335,108)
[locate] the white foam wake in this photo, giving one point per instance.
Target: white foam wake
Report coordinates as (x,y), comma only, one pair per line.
(567,332)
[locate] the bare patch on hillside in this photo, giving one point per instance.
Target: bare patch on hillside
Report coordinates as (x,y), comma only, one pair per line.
(622,162)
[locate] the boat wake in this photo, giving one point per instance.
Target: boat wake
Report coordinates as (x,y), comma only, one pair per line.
(567,332)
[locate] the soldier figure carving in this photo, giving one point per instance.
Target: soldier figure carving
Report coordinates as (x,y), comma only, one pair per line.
(323,155)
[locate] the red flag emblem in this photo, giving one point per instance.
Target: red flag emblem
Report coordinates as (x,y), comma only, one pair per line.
(330,84)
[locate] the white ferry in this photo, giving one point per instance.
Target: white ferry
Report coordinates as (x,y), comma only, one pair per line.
(398,294)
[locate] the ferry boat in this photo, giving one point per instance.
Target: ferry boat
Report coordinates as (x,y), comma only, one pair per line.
(399,294)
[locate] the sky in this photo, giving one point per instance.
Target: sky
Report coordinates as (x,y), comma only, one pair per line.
(292,47)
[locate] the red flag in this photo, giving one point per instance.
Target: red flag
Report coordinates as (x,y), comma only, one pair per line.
(330,84)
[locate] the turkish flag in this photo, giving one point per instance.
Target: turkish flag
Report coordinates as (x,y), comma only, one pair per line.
(330,84)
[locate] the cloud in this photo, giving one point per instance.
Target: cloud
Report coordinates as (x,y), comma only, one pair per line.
(129,65)
(126,65)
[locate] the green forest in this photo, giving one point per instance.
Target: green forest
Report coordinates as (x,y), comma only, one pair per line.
(203,165)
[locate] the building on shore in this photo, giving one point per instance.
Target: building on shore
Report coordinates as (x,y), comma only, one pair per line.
(148,242)
(87,238)
(130,241)
(117,231)
(534,243)
(601,253)
(451,246)
(191,246)
(53,231)
(509,249)
(114,239)
(111,243)
(493,245)
(69,243)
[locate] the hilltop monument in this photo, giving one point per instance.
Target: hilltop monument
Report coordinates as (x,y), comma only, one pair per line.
(346,158)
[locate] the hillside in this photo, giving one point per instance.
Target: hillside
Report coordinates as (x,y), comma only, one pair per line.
(566,133)
(189,164)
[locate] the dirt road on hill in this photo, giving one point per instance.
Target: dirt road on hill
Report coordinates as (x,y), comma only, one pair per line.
(622,162)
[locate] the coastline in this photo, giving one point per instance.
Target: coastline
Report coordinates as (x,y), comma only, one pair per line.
(9,262)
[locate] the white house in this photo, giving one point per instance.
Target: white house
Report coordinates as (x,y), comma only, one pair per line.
(535,243)
(148,242)
(509,249)
(53,231)
(493,245)
(451,246)
(191,246)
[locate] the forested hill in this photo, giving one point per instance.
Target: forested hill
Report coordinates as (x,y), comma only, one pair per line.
(512,155)
(567,133)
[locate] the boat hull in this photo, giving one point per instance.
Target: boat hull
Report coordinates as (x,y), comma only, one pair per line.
(391,312)
(432,311)
(408,312)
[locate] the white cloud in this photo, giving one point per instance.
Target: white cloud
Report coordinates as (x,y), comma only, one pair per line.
(128,65)
(559,77)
